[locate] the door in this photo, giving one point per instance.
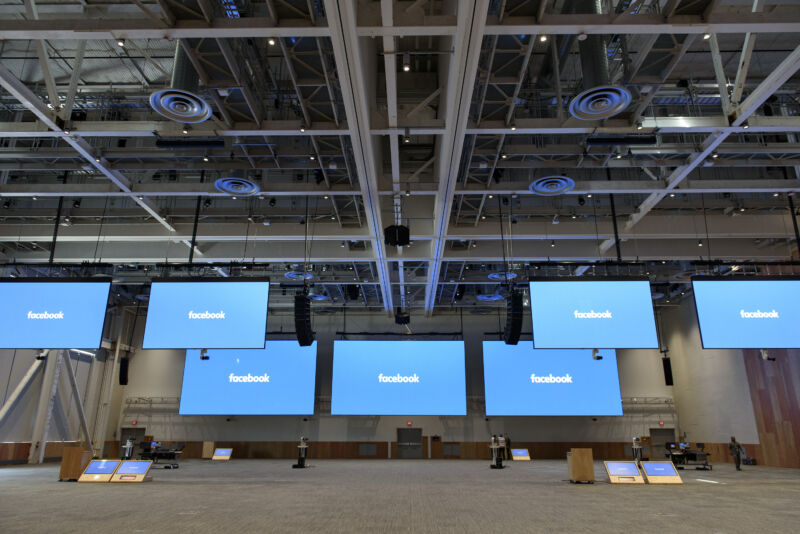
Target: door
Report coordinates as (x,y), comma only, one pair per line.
(409,443)
(659,437)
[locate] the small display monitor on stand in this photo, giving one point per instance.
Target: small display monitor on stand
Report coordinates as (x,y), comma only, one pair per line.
(222,454)
(133,471)
(520,454)
(623,472)
(99,471)
(661,473)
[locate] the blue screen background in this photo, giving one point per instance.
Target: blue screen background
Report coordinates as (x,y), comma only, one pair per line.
(244,326)
(438,364)
(722,327)
(659,469)
(632,325)
(83,303)
(509,391)
(223,452)
(622,468)
(291,369)
(135,467)
(101,467)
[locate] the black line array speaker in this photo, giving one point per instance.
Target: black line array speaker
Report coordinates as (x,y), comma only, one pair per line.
(513,318)
(302,320)
(123,371)
(667,371)
(396,235)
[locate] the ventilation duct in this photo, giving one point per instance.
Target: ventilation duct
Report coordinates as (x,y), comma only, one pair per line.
(180,103)
(599,99)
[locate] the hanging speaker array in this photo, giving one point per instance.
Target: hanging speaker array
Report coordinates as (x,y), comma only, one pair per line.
(302,320)
(513,318)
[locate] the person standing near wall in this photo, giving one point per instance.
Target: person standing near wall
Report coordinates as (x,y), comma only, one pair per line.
(737,451)
(508,447)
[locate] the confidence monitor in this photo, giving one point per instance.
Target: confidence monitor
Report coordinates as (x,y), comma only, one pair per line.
(660,473)
(623,472)
(756,313)
(63,314)
(276,380)
(398,378)
(207,314)
(569,313)
(133,471)
(222,454)
(524,382)
(99,471)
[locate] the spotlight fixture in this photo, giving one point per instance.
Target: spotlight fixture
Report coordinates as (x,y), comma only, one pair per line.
(542,38)
(311,157)
(555,218)
(140,197)
(97,159)
(121,43)
(552,244)
(742,209)
(302,128)
(66,131)
(406,62)
(706,36)
(76,203)
(34,198)
(271,41)
(619,156)
(581,201)
(596,355)
(185,130)
(406,136)
(714,155)
(589,195)
(207,203)
(503,156)
(699,242)
(325,197)
(745,126)
(408,193)
(513,127)
(776,194)
(672,195)
(639,125)
(574,216)
(205,158)
(483,217)
(491,196)
(272,203)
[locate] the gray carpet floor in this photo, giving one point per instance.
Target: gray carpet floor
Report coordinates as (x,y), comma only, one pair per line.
(244,496)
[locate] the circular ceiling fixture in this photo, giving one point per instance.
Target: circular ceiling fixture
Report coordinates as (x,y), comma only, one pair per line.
(297,275)
(502,276)
(491,297)
(551,185)
(236,186)
(600,102)
(180,106)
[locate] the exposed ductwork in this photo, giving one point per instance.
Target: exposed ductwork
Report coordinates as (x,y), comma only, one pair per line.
(598,99)
(180,103)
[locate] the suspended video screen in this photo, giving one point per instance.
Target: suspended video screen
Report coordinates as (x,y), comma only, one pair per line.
(52,315)
(748,314)
(521,381)
(276,380)
(229,314)
(398,378)
(592,314)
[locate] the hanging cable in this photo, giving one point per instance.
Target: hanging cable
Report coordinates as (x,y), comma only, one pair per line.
(503,245)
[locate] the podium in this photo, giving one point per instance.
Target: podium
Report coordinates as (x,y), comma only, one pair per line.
(580,465)
(73,462)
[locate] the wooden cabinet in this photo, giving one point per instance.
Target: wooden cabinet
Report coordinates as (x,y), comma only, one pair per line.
(73,461)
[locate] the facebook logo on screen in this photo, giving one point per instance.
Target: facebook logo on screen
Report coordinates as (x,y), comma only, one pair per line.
(398,378)
(52,315)
(521,381)
(748,314)
(206,315)
(276,380)
(578,314)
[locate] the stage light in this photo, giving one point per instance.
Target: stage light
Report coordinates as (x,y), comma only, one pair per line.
(699,243)
(272,203)
(706,36)
(542,38)
(552,244)
(271,41)
(121,43)
(406,62)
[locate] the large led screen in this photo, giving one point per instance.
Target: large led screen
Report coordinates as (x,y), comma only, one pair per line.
(748,314)
(521,381)
(398,378)
(276,380)
(207,315)
(52,315)
(596,314)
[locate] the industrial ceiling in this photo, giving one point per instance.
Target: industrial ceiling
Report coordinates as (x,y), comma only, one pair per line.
(569,137)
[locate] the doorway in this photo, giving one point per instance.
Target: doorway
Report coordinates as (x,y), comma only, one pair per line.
(409,443)
(659,437)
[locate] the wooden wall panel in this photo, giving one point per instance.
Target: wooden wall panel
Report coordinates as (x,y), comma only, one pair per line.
(775,393)
(14,453)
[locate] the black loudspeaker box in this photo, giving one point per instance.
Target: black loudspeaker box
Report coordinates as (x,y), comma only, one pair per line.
(513,318)
(302,320)
(396,236)
(123,372)
(667,371)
